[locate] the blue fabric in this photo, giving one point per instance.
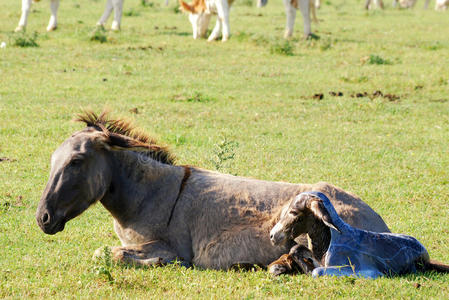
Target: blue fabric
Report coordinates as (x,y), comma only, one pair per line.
(355,252)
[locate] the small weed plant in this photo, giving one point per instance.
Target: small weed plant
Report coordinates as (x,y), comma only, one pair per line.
(105,265)
(22,39)
(99,35)
(377,60)
(224,153)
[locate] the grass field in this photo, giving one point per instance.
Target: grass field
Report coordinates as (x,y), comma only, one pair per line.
(257,91)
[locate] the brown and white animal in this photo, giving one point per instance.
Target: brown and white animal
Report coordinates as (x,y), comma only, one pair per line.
(163,211)
(442,5)
(116,5)
(306,7)
(200,13)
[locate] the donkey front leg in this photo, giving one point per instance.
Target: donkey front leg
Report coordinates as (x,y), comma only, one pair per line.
(290,11)
(53,23)
(107,12)
(118,9)
(26,7)
(154,253)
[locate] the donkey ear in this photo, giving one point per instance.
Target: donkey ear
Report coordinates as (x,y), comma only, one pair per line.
(301,202)
(319,210)
(119,142)
(186,7)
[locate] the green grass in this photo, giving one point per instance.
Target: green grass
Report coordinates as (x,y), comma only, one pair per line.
(192,94)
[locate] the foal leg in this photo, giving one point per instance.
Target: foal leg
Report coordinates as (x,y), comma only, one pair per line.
(26,7)
(290,11)
(107,12)
(118,9)
(154,253)
(53,24)
(304,258)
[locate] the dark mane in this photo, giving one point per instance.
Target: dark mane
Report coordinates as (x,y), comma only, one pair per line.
(125,128)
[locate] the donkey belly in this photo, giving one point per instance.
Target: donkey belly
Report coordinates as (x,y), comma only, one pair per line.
(238,245)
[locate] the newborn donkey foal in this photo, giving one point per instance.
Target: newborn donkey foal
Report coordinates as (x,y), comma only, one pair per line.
(200,12)
(348,251)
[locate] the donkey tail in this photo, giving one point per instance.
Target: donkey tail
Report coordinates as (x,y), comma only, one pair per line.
(433,265)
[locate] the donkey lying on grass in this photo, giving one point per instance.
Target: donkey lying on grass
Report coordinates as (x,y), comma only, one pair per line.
(116,5)
(164,212)
(344,250)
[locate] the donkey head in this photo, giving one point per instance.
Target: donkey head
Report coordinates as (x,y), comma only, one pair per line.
(82,167)
(79,176)
(299,217)
(198,16)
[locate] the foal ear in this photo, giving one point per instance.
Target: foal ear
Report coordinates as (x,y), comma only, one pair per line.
(319,210)
(186,7)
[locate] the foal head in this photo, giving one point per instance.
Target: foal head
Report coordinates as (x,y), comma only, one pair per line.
(300,217)
(198,16)
(82,168)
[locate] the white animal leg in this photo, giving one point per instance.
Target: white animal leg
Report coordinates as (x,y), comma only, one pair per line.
(395,3)
(26,6)
(305,11)
(223,16)
(318,3)
(53,23)
(426,4)
(290,11)
(107,12)
(118,9)
(367,4)
(216,32)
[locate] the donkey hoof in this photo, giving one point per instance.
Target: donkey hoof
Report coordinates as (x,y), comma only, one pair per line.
(19,29)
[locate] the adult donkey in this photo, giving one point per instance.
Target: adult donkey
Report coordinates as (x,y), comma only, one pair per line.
(116,5)
(164,212)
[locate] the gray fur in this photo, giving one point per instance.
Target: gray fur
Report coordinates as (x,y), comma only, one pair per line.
(219,220)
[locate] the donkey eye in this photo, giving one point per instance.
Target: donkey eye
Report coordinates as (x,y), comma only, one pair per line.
(294,213)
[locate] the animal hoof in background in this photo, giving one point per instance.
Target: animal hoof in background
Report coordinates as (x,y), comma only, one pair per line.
(224,39)
(115,26)
(19,29)
(312,36)
(52,28)
(288,34)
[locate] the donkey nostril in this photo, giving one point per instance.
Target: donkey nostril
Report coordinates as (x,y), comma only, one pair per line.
(271,236)
(45,218)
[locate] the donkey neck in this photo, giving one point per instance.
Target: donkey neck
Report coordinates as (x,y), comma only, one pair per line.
(141,187)
(320,235)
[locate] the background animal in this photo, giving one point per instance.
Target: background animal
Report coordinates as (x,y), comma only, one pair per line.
(200,12)
(116,5)
(347,251)
(164,212)
(306,7)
